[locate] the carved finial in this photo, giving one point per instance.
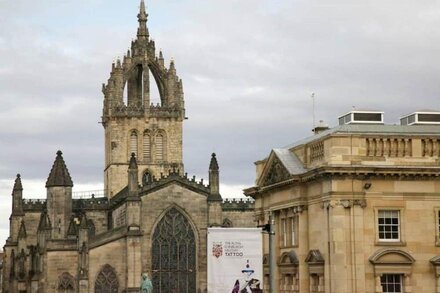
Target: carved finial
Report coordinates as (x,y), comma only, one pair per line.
(17,183)
(213,165)
(142,18)
(133,163)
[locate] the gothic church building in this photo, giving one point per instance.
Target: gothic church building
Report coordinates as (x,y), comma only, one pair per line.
(153,218)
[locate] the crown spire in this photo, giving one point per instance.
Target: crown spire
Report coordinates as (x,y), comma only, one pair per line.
(142,18)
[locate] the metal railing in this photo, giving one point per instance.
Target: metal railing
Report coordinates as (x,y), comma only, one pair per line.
(88,194)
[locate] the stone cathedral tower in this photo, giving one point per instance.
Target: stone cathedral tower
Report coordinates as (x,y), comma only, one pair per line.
(132,123)
(152,218)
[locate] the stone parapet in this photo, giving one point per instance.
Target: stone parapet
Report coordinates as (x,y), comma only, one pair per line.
(238,204)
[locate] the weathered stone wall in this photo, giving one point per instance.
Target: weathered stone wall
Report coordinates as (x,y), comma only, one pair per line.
(244,219)
(113,254)
(99,218)
(119,153)
(59,262)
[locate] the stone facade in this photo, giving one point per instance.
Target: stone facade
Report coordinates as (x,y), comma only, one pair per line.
(356,209)
(154,218)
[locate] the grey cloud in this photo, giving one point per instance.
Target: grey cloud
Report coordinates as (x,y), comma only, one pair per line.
(248,69)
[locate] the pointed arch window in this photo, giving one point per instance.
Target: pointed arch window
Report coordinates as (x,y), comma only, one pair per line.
(147,146)
(66,284)
(133,144)
(160,147)
(107,281)
(174,254)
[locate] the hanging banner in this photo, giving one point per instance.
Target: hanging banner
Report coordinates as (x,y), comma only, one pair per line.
(235,260)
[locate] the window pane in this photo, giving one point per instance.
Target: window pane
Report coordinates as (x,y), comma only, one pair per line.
(391,283)
(388,225)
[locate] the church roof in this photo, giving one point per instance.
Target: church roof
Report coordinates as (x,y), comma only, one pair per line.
(59,175)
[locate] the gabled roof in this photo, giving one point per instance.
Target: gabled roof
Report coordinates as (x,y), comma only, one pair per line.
(175,177)
(290,161)
(281,165)
(59,175)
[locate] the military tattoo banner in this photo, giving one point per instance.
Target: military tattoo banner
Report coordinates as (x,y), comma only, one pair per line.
(235,260)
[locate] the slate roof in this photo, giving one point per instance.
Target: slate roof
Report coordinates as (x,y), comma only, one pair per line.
(290,161)
(59,175)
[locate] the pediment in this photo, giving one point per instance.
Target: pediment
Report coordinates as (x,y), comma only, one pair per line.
(314,257)
(391,256)
(274,171)
(288,259)
(435,260)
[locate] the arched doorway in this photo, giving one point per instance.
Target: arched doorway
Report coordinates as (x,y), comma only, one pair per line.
(174,254)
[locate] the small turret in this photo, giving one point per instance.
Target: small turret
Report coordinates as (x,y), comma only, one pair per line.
(133,180)
(214,180)
(214,198)
(17,197)
(59,197)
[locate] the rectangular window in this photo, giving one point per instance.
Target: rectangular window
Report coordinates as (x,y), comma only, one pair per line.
(438,224)
(283,232)
(293,230)
(391,283)
(389,225)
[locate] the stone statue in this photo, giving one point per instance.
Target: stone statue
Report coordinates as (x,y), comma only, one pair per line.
(146,285)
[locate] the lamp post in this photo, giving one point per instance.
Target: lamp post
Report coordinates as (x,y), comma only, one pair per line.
(272,260)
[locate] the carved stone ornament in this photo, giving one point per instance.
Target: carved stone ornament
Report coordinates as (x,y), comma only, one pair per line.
(276,173)
(345,203)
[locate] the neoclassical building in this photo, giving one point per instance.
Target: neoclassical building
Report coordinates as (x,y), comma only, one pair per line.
(153,217)
(356,207)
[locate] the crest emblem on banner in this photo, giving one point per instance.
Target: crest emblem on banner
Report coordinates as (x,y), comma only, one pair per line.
(217,249)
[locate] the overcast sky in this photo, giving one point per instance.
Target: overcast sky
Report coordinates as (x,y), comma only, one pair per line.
(248,69)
